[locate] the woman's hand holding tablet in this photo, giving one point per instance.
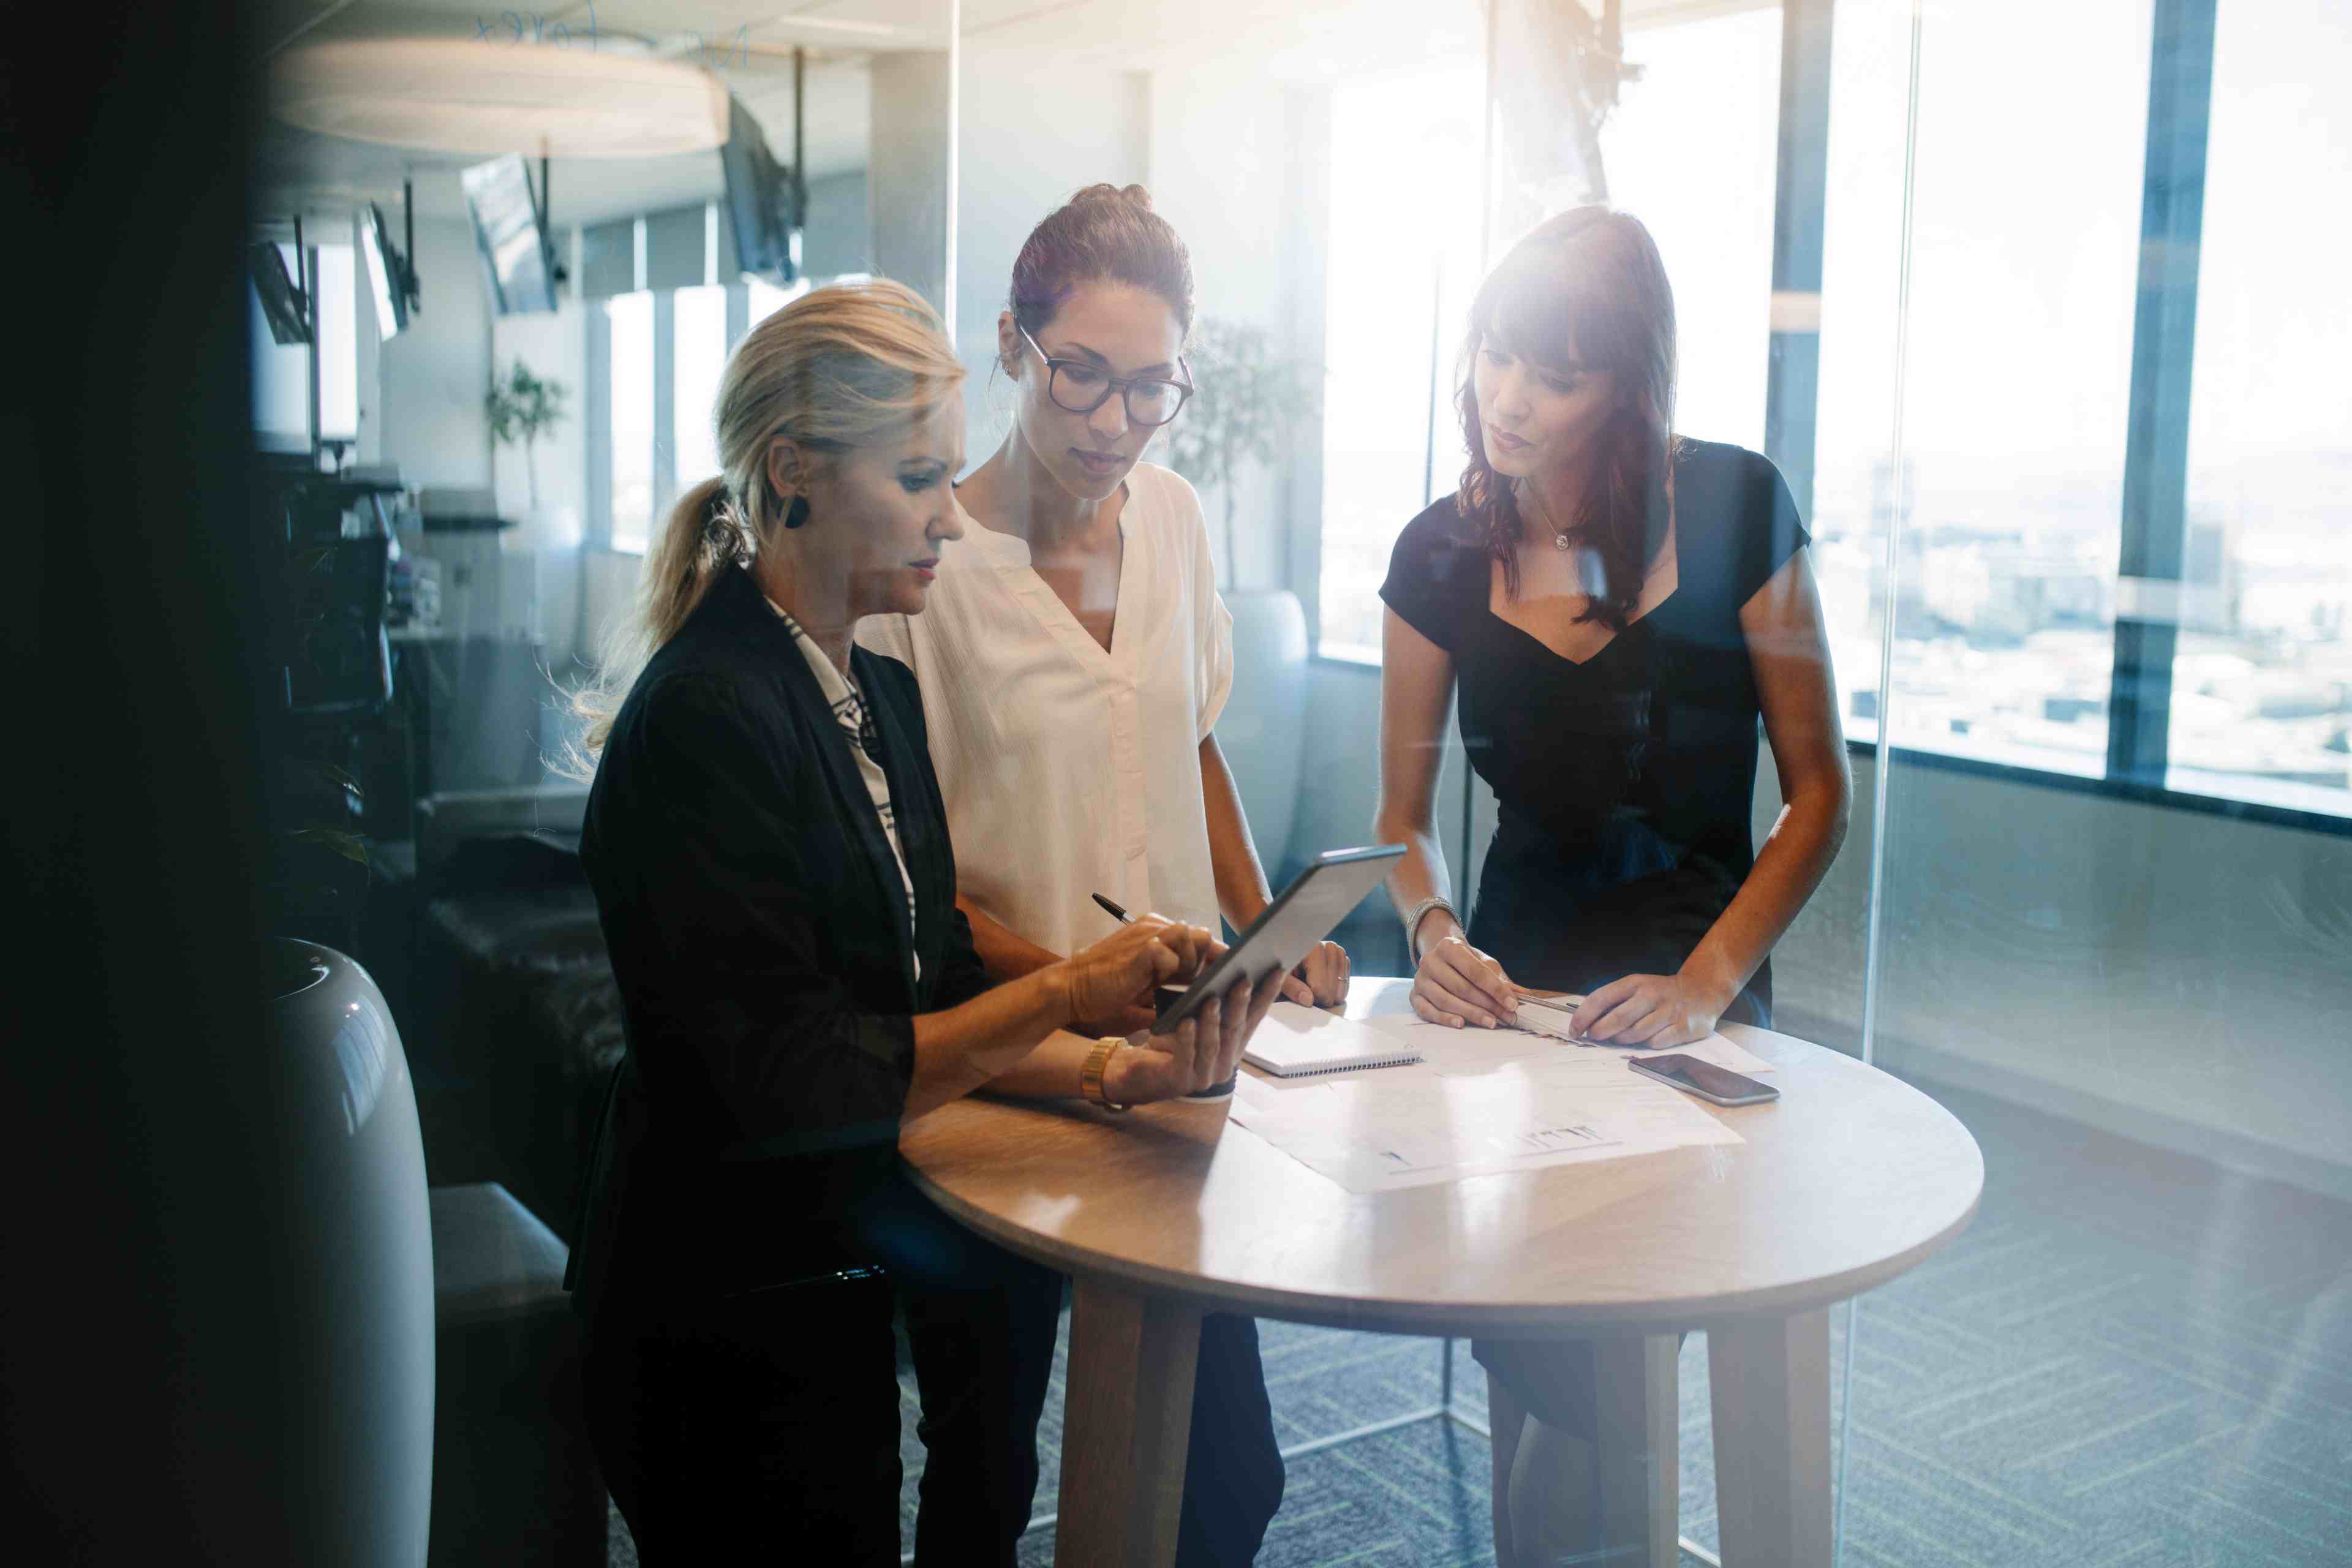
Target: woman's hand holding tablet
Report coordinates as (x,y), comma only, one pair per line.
(1199,1053)
(1293,925)
(1121,972)
(1103,979)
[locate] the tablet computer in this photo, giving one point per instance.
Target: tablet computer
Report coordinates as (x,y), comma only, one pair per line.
(1324,894)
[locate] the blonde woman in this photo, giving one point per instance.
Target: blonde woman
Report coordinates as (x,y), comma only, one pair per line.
(771,867)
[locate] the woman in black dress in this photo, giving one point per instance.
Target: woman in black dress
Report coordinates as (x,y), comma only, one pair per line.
(1619,605)
(772,872)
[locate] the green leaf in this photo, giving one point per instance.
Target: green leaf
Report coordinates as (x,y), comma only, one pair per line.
(523,406)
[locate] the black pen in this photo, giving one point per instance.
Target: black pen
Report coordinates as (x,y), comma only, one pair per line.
(1121,915)
(1123,918)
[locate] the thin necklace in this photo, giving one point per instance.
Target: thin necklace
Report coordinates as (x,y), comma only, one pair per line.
(1560,538)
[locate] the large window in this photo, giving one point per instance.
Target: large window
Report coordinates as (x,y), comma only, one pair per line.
(338,369)
(663,353)
(1689,152)
(629,319)
(1855,418)
(2019,380)
(766,299)
(281,375)
(282,372)
(1405,150)
(659,435)
(2262,668)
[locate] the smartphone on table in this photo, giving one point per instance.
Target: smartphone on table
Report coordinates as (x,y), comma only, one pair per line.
(1705,1079)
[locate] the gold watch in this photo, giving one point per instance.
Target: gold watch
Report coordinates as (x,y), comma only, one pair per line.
(1090,1074)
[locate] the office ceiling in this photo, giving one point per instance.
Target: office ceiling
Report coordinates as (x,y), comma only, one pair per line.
(321,174)
(751,46)
(1303,40)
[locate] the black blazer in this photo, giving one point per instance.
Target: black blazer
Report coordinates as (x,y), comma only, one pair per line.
(759,932)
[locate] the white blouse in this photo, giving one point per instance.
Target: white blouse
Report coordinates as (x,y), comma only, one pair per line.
(1069,770)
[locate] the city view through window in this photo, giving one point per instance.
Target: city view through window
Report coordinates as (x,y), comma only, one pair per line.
(2006,584)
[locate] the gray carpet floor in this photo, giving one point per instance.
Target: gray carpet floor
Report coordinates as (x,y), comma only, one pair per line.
(2130,1357)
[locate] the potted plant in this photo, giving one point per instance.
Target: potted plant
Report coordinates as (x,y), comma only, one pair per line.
(1247,404)
(522,408)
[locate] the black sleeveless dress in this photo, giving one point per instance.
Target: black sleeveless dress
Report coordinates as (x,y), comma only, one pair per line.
(1626,783)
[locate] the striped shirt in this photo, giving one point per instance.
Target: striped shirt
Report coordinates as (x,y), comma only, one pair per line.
(857,721)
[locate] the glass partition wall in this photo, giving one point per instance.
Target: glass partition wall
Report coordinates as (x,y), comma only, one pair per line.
(2033,309)
(2036,310)
(2114,900)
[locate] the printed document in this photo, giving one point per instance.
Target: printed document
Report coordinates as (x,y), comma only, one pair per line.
(1421,1125)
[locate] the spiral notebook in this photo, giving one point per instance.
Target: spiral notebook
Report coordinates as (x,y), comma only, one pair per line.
(1304,1042)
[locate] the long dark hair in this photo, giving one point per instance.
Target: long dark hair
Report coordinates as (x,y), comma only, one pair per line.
(1104,234)
(1586,287)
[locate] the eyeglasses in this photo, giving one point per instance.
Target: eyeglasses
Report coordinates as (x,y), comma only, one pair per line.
(1079,387)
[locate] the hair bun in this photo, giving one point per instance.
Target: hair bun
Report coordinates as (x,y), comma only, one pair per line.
(1131,195)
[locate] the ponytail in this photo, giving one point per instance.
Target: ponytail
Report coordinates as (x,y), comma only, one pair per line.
(698,541)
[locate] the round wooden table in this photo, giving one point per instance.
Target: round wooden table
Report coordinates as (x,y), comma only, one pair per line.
(1166,1212)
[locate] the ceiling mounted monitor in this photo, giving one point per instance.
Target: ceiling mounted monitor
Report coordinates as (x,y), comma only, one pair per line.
(282,302)
(510,233)
(390,282)
(763,208)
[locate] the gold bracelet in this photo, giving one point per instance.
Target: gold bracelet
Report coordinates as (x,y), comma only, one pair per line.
(1090,1074)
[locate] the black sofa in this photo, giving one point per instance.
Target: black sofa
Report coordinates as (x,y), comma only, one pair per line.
(515,1021)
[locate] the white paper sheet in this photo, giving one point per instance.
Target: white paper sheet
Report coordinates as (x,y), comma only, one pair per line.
(1401,1129)
(1457,1051)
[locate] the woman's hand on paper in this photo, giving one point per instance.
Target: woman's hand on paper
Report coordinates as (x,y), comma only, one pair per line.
(1321,981)
(1456,984)
(1202,1052)
(1650,1010)
(1108,979)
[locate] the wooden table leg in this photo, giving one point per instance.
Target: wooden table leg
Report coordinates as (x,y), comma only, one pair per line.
(1771,1382)
(1127,1416)
(1638,1447)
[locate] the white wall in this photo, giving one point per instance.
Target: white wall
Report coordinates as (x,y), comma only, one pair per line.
(907,176)
(839,235)
(432,376)
(1238,167)
(368,360)
(1029,136)
(554,346)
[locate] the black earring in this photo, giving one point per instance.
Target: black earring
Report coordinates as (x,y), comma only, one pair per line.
(796,513)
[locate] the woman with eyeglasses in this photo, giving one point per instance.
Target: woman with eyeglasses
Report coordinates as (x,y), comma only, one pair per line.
(1073,659)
